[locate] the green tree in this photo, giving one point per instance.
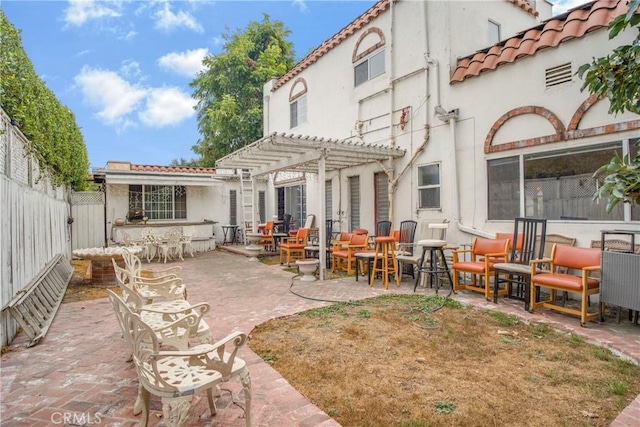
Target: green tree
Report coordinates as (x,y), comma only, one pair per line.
(56,140)
(617,77)
(229,90)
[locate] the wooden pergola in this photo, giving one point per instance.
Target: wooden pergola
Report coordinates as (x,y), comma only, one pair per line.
(297,153)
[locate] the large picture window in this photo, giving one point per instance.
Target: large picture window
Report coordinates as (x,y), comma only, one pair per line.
(429,186)
(370,68)
(159,202)
(556,185)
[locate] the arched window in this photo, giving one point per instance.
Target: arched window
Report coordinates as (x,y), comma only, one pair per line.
(368,56)
(298,103)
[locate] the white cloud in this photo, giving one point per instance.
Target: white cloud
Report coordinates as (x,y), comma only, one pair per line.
(561,6)
(167,20)
(302,5)
(167,106)
(81,11)
(129,36)
(130,68)
(114,97)
(187,63)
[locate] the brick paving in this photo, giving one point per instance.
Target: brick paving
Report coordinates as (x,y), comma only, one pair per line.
(78,374)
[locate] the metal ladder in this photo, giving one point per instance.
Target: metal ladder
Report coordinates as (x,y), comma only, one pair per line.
(247,201)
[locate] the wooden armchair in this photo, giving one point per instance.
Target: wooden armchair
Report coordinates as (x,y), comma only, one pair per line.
(293,246)
(344,258)
(484,254)
(267,239)
(173,370)
(557,276)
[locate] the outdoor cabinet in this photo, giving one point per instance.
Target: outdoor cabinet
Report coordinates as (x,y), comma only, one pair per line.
(620,274)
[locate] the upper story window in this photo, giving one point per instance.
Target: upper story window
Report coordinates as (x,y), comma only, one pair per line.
(368,56)
(298,103)
(369,68)
(298,111)
(494,32)
(159,201)
(429,186)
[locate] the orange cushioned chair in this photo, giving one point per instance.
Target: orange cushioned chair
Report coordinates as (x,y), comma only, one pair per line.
(556,278)
(344,258)
(293,246)
(484,254)
(267,236)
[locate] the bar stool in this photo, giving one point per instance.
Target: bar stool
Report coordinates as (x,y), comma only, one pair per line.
(385,255)
(434,248)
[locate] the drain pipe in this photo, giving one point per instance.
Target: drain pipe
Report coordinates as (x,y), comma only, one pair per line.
(451,118)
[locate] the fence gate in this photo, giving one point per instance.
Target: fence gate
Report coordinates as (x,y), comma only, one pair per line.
(88,227)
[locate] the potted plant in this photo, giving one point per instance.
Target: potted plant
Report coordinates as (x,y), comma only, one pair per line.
(622,181)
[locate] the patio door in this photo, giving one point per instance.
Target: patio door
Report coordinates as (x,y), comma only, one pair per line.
(294,201)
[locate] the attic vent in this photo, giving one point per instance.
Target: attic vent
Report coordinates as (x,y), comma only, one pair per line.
(558,75)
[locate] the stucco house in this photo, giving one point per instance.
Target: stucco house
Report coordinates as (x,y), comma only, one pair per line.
(172,196)
(467,111)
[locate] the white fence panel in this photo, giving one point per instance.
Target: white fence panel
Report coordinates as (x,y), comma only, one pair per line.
(33,221)
(87,211)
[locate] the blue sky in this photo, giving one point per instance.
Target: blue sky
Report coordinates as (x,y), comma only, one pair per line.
(124,67)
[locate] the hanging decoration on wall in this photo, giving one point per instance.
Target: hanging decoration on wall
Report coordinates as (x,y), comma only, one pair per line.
(403,118)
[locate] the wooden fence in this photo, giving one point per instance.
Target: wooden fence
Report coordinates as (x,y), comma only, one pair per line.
(33,220)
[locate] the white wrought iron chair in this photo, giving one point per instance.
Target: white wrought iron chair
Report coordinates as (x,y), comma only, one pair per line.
(187,237)
(171,245)
(175,374)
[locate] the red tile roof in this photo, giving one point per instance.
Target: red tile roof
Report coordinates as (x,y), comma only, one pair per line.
(572,24)
(173,169)
(373,12)
(338,38)
(524,5)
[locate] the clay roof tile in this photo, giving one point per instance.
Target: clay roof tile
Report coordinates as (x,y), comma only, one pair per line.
(572,24)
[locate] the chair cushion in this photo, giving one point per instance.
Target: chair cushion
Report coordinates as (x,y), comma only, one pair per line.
(292,246)
(341,253)
(561,281)
(470,266)
(432,243)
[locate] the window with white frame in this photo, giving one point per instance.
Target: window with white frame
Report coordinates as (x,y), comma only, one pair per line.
(298,111)
(159,201)
(429,186)
(494,32)
(557,185)
(371,67)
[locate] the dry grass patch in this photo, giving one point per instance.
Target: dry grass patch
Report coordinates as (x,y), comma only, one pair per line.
(392,361)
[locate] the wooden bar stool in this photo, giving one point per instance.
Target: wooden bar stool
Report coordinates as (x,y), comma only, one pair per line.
(384,261)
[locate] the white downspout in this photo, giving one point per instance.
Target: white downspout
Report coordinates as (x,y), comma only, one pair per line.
(392,138)
(451,118)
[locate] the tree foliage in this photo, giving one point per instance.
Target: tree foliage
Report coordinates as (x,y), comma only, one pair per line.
(617,75)
(229,90)
(51,127)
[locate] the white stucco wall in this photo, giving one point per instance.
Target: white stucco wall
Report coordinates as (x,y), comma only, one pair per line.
(454,29)
(484,99)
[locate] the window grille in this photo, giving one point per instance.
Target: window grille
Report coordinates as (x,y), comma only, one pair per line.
(429,186)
